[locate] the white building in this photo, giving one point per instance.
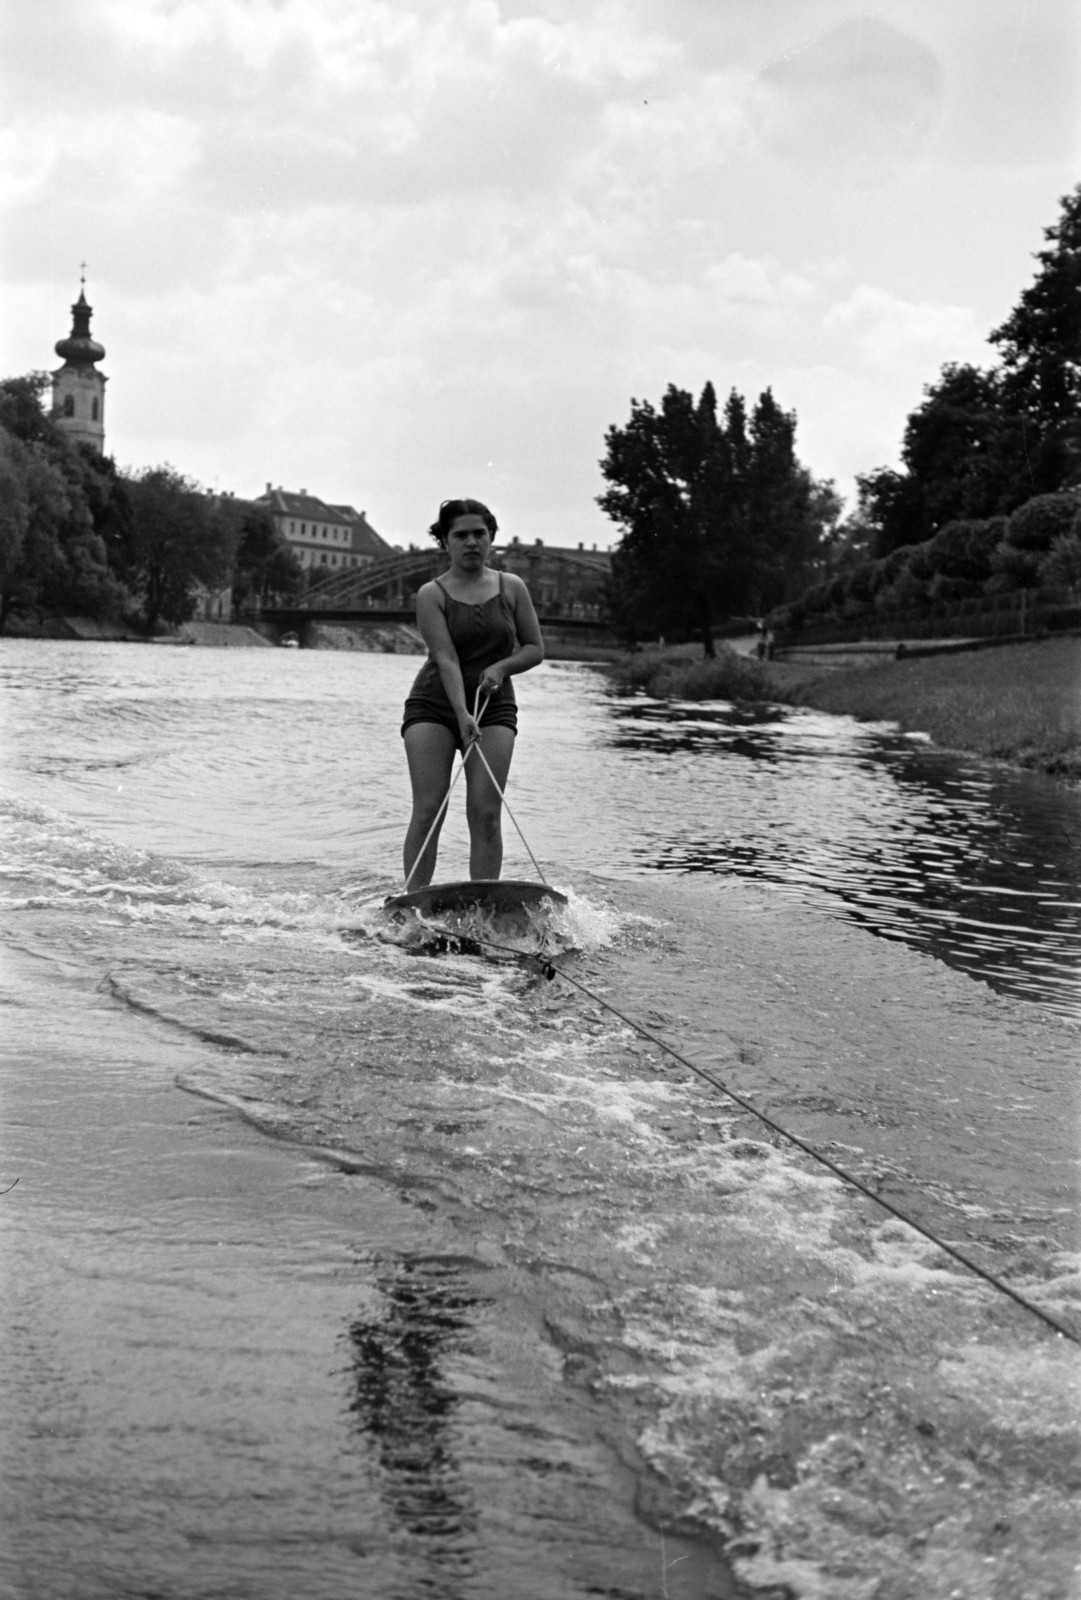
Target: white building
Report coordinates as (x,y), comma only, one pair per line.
(78,389)
(322,535)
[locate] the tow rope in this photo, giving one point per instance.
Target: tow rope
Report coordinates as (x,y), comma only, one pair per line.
(549,971)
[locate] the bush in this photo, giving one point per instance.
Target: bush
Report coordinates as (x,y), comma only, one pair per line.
(863,582)
(1012,568)
(1040,521)
(906,593)
(1061,566)
(727,676)
(960,557)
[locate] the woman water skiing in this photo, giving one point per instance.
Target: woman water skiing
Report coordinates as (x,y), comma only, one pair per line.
(480,628)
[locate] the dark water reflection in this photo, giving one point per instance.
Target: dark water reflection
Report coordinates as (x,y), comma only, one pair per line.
(405,1403)
(978,865)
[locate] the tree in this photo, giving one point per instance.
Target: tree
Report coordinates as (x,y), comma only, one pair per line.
(982,443)
(266,568)
(175,539)
(783,527)
(960,449)
(22,410)
(1040,347)
(718,515)
(14,518)
(59,561)
(669,470)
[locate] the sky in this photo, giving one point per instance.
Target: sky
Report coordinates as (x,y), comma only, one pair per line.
(395,251)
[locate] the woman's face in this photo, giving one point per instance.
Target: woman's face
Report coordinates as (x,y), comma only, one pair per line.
(468,542)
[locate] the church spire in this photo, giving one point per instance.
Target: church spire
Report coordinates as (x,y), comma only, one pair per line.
(79,349)
(78,388)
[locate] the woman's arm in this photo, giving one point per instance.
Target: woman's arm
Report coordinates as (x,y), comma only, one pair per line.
(432,622)
(530,651)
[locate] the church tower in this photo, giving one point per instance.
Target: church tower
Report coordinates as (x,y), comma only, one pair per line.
(78,389)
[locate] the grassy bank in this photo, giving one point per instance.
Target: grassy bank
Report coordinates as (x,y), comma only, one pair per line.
(1019,703)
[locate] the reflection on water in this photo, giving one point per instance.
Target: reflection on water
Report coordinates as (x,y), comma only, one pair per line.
(978,865)
(405,1404)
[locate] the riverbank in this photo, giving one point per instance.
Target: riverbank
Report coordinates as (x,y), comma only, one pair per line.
(392,638)
(1020,703)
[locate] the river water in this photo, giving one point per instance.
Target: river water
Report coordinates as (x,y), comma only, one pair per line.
(462,1327)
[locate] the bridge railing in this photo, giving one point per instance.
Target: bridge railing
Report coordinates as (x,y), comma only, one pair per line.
(356,584)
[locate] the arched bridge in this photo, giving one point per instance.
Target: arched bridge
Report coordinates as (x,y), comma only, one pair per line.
(567,585)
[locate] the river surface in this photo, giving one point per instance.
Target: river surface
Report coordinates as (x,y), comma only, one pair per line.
(410,1345)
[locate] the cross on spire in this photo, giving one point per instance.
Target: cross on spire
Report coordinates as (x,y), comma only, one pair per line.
(82,274)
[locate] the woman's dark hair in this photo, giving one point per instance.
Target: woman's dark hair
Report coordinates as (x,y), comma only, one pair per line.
(451,510)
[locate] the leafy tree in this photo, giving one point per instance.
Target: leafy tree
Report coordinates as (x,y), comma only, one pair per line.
(981,443)
(14,518)
(960,448)
(60,561)
(24,414)
(890,510)
(1040,348)
(266,568)
(670,470)
(175,539)
(788,512)
(718,514)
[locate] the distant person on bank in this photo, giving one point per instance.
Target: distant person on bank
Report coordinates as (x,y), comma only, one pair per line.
(480,628)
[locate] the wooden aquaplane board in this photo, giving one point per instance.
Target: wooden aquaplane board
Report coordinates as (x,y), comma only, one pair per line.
(492,895)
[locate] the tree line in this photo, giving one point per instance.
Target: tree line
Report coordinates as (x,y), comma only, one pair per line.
(78,535)
(719,517)
(988,497)
(983,442)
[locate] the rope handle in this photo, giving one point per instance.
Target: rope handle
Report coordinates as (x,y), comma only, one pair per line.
(446,798)
(510,814)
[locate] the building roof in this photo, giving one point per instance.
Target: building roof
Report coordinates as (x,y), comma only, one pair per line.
(366,542)
(304,505)
(601,559)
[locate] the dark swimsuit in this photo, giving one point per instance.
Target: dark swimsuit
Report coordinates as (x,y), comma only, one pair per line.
(481,635)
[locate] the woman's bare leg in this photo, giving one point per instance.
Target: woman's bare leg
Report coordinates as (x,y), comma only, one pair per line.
(483,807)
(430,749)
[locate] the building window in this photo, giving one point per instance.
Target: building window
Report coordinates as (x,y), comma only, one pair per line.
(69,405)
(292,527)
(93,411)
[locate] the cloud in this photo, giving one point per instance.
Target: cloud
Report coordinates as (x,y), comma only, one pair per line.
(383,246)
(891,333)
(858,101)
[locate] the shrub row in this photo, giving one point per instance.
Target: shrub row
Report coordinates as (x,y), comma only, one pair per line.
(726,676)
(1038,546)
